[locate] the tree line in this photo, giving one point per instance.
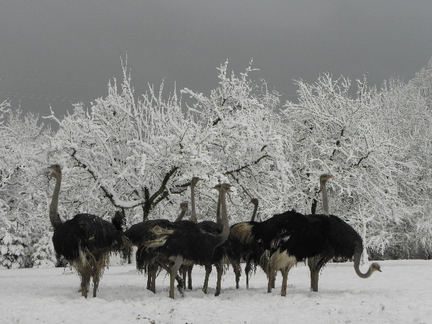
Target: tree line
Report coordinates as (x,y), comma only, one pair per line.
(138,152)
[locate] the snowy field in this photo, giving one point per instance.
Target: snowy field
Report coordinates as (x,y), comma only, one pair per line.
(402,293)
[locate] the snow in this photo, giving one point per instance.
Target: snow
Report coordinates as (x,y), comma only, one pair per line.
(400,294)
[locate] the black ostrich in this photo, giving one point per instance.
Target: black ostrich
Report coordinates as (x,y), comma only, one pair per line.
(318,238)
(86,240)
(253,251)
(227,253)
(260,238)
(292,237)
(139,233)
(186,269)
(187,244)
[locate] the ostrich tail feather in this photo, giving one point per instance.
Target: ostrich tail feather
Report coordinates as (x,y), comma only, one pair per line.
(243,231)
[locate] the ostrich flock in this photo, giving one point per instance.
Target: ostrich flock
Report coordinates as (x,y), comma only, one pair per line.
(276,244)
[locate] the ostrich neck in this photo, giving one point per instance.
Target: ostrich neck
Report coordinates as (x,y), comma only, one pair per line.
(223,236)
(357,257)
(53,212)
(193,211)
(218,212)
(254,213)
(324,198)
(180,217)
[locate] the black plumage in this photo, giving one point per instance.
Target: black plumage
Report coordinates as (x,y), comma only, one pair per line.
(86,232)
(86,240)
(139,233)
(250,251)
(186,243)
(291,237)
(228,253)
(344,242)
(185,239)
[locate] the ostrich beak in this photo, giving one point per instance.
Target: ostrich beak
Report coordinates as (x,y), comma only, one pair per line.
(49,173)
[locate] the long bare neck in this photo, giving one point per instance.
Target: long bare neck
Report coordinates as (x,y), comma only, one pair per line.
(372,268)
(223,236)
(53,211)
(254,211)
(182,214)
(324,197)
(193,211)
(218,212)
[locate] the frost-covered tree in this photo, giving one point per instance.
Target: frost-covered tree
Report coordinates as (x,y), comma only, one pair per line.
(126,150)
(139,153)
(23,143)
(362,142)
(408,119)
(142,152)
(243,132)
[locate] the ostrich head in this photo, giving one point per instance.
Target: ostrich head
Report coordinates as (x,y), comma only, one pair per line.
(55,170)
(184,206)
(375,267)
(324,177)
(254,201)
(195,180)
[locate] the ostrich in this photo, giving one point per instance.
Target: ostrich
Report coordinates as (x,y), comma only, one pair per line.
(222,251)
(187,269)
(139,233)
(252,252)
(228,252)
(318,238)
(186,244)
(86,240)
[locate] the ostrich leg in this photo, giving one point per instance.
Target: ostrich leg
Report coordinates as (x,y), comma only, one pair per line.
(219,269)
(173,274)
(85,281)
(97,264)
(237,271)
(271,279)
(208,270)
(284,273)
(314,274)
(247,270)
(189,277)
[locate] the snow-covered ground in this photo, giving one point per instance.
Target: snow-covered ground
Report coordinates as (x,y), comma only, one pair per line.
(402,293)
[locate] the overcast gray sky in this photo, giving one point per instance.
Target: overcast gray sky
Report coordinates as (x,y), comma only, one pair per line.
(56,52)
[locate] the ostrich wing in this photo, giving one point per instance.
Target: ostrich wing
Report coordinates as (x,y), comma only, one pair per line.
(87,232)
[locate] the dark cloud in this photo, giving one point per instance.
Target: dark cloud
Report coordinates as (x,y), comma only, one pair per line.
(58,52)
